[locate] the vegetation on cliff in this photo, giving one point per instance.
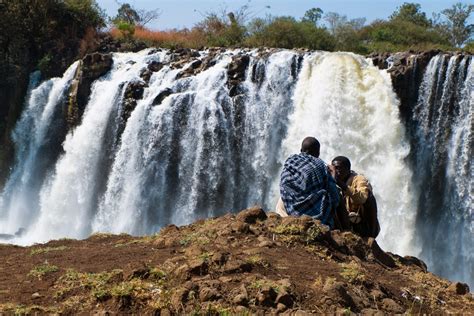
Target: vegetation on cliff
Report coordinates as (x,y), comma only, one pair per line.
(47,35)
(252,262)
(406,28)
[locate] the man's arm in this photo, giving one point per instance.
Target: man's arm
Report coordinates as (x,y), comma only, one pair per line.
(359,190)
(333,191)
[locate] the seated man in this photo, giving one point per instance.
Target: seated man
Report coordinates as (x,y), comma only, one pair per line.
(358,200)
(306,186)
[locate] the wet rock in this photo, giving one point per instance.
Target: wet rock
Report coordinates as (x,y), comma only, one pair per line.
(161,96)
(251,215)
(391,306)
(378,254)
(459,288)
(91,67)
(155,66)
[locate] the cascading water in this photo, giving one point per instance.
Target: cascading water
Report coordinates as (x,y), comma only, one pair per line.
(443,120)
(349,105)
(193,148)
(38,142)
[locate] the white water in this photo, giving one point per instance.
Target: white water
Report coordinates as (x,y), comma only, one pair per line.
(444,120)
(349,106)
(202,153)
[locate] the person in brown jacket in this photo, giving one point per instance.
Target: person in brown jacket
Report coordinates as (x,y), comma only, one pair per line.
(358,208)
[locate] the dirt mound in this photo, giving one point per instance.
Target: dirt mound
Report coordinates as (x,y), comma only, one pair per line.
(252,262)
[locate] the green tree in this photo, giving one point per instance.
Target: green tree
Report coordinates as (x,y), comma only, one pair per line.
(456,23)
(411,12)
(346,32)
(313,15)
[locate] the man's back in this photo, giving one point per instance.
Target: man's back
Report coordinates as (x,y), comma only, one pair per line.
(307,188)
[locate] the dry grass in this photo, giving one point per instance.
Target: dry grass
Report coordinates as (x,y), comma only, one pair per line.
(172,38)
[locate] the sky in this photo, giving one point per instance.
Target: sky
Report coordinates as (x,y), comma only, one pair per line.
(186,13)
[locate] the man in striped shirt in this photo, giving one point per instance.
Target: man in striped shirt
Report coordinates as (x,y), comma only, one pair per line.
(307,187)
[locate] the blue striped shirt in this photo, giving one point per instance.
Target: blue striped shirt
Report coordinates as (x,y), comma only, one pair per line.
(307,188)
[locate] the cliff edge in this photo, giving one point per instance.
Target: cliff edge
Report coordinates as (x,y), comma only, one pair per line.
(248,263)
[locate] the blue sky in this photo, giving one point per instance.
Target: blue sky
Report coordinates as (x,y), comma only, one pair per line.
(185,13)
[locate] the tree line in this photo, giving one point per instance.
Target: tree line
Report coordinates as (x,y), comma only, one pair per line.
(408,27)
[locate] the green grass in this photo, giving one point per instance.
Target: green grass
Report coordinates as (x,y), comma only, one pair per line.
(47,249)
(42,269)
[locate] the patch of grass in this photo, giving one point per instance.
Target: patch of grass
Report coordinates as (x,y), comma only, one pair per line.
(96,283)
(27,309)
(258,260)
(288,230)
(259,284)
(47,249)
(41,270)
(205,256)
(352,272)
(201,238)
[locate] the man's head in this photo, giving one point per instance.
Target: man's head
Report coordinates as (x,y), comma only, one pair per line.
(310,146)
(342,167)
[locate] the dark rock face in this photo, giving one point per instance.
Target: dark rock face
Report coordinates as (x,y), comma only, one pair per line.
(92,67)
(406,70)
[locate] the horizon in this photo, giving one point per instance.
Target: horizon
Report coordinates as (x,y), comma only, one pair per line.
(173,16)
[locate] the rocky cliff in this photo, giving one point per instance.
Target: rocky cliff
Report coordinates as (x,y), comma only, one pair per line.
(249,263)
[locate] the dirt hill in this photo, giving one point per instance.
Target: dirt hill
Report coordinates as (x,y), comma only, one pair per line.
(250,263)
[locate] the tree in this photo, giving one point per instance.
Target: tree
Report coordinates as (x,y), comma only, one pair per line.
(128,14)
(313,15)
(456,24)
(345,31)
(411,12)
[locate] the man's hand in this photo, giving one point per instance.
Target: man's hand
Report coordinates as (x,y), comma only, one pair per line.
(332,171)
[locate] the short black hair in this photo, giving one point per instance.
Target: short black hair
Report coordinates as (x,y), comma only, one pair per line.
(344,161)
(311,146)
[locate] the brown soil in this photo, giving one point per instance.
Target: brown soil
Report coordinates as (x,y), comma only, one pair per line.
(249,263)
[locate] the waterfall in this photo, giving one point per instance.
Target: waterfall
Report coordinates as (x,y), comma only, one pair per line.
(196,145)
(37,139)
(349,106)
(443,120)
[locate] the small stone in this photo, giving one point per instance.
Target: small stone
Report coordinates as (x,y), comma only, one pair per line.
(240,227)
(281,307)
(391,306)
(198,267)
(459,288)
(251,215)
(237,266)
(379,254)
(377,295)
(208,294)
(241,310)
(266,296)
(35,295)
(240,299)
(284,298)
(266,244)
